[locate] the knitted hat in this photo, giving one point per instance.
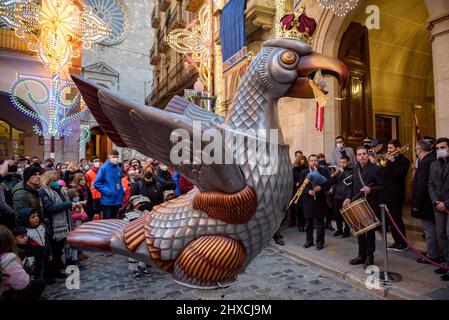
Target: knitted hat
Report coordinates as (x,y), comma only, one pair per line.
(29,172)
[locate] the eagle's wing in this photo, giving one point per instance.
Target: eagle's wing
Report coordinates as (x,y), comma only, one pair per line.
(150,131)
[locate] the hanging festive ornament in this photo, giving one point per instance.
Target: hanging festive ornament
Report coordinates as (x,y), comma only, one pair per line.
(53,101)
(53,28)
(339,7)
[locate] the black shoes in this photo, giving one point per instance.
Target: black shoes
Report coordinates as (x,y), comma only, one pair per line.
(445,277)
(346,234)
(319,247)
(307,244)
(338,233)
(329,227)
(357,260)
(393,246)
(301,229)
(368,262)
(279,241)
(440,271)
(421,260)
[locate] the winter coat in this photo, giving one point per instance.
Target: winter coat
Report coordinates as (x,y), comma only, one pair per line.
(90,177)
(315,207)
(166,180)
(336,156)
(420,194)
(23,196)
(340,188)
(6,212)
(439,181)
(152,190)
(373,177)
(395,174)
(109,183)
(57,209)
(18,279)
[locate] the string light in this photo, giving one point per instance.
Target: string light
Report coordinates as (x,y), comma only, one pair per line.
(85,134)
(53,28)
(193,41)
(339,7)
(54,113)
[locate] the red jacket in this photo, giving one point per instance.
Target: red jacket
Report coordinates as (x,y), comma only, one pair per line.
(90,176)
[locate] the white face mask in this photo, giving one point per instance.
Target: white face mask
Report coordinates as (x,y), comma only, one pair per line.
(164,168)
(339,145)
(442,153)
(97,164)
(86,167)
(19,170)
(114,160)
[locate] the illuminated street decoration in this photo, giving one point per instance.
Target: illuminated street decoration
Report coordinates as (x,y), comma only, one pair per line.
(85,134)
(193,41)
(48,96)
(53,29)
(339,7)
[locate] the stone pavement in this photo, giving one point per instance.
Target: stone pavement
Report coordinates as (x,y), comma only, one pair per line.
(419,280)
(271,276)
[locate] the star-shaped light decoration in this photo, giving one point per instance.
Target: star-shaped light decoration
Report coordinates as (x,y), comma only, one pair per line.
(53,28)
(193,41)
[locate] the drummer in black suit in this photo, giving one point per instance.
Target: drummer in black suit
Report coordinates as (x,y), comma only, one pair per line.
(367,180)
(315,203)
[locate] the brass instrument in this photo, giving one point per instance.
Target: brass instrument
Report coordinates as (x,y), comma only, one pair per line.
(382,159)
(347,178)
(333,175)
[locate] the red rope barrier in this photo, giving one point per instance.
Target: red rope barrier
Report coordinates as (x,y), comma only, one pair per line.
(411,245)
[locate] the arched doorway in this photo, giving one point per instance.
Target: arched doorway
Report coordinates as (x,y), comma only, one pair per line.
(392,65)
(99,144)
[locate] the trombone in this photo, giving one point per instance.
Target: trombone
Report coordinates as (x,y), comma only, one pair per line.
(382,159)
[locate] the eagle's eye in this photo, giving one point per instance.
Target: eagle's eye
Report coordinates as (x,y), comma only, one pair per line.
(288,58)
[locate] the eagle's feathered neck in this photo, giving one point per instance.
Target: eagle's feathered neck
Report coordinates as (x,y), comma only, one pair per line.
(254,107)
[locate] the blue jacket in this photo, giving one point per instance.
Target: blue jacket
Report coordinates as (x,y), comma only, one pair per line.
(109,183)
(176,180)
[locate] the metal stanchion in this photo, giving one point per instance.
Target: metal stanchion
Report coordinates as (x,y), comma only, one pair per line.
(385,275)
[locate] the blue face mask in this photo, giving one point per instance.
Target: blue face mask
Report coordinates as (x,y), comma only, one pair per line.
(55,185)
(76,199)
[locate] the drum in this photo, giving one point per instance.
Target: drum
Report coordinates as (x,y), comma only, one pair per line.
(360,217)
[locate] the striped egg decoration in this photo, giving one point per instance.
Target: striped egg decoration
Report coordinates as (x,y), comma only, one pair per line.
(210,261)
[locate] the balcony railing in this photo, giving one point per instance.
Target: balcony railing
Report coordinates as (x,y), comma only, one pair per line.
(163,5)
(155,18)
(155,58)
(178,78)
(163,45)
(180,17)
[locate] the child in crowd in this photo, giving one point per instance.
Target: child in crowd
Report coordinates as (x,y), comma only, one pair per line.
(38,242)
(22,250)
(132,211)
(78,217)
(15,283)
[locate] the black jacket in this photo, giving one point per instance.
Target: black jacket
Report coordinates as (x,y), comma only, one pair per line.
(340,189)
(315,208)
(420,194)
(372,176)
(439,181)
(152,190)
(395,174)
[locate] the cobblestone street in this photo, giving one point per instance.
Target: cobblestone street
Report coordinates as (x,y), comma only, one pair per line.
(271,275)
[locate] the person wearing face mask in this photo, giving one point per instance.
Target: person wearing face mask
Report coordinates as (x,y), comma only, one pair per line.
(339,151)
(165,178)
(57,211)
(422,207)
(109,183)
(149,186)
(90,177)
(127,182)
(439,194)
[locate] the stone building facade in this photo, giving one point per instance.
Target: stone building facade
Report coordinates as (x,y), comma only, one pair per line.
(121,63)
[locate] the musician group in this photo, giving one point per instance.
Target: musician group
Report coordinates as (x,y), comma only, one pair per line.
(353,185)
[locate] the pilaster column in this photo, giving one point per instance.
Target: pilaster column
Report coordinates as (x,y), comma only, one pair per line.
(439,28)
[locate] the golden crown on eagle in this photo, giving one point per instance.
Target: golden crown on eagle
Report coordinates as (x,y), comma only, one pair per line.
(298,26)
